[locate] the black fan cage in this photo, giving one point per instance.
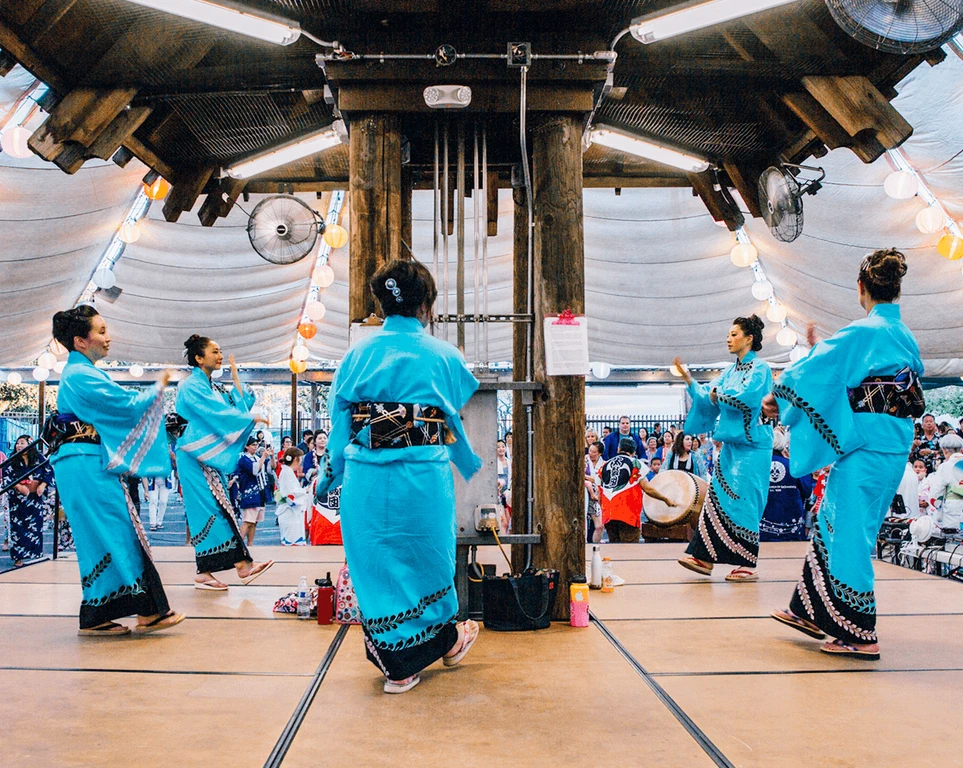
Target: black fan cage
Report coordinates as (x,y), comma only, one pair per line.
(899,26)
(283,229)
(780,198)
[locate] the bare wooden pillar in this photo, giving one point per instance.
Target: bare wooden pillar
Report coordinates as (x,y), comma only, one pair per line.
(374,195)
(559,412)
(519,362)
(407,186)
(295,427)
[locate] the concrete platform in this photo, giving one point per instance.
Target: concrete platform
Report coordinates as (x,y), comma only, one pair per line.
(681,671)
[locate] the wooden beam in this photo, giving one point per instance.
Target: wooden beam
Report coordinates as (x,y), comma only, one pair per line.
(375,205)
(486,98)
(12,43)
(407,187)
(812,113)
(148,157)
(634,182)
(520,351)
(119,130)
(559,411)
(492,203)
(220,201)
(185,190)
(745,178)
(47,16)
(858,106)
(719,206)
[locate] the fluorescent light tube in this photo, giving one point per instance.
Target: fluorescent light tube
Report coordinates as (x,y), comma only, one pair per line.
(636,145)
(650,29)
(288,153)
(235,19)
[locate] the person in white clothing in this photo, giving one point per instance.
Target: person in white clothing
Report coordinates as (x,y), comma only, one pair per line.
(292,499)
(909,491)
(946,484)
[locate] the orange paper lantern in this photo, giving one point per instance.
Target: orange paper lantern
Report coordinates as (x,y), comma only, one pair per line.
(158,189)
(307,329)
(298,366)
(950,247)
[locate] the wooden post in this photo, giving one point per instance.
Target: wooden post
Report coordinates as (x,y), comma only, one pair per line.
(295,427)
(559,412)
(407,187)
(41,406)
(374,194)
(519,361)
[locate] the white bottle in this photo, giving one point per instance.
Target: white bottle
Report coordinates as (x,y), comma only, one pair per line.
(596,582)
(304,600)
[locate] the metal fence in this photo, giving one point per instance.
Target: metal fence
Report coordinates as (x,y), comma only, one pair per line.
(12,425)
(612,422)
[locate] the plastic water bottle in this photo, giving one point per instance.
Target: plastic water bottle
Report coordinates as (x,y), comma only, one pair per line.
(596,582)
(608,575)
(304,600)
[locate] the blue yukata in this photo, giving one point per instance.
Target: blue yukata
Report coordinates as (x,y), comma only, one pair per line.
(120,431)
(218,425)
(868,453)
(728,527)
(27,511)
(398,503)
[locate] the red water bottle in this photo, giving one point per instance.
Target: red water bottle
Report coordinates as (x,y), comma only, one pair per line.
(325,599)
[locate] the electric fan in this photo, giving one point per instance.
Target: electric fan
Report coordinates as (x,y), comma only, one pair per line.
(780,197)
(899,26)
(283,229)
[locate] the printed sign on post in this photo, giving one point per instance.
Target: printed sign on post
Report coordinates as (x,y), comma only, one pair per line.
(566,344)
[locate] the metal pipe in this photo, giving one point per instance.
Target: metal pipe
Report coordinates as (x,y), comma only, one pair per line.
(382,57)
(460,199)
(476,194)
(484,224)
(444,223)
(435,211)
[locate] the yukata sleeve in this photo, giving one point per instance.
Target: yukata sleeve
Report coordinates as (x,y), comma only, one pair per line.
(223,425)
(814,402)
(462,385)
(703,414)
(742,403)
(130,424)
(331,464)
(242,400)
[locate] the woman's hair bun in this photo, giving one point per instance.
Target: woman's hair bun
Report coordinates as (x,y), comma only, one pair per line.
(192,340)
(752,326)
(882,273)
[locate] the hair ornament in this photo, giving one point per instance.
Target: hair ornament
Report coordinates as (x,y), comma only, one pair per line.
(392,286)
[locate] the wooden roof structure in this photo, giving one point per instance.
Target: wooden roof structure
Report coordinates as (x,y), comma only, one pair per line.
(187,99)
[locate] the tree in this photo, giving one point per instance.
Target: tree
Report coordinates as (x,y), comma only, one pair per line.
(946,401)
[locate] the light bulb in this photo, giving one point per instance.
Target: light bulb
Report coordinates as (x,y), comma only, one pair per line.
(129,232)
(300,353)
(14,379)
(601,370)
(787,337)
(323,276)
(798,353)
(105,278)
(675,371)
(40,374)
(47,360)
(136,371)
(335,236)
(777,313)
(762,290)
(744,254)
(950,247)
(60,365)
(901,185)
(217,373)
(930,220)
(13,141)
(315,310)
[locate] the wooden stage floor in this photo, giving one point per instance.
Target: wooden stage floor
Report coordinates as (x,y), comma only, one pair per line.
(676,671)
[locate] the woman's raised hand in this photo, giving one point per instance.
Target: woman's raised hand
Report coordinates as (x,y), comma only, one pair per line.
(680,366)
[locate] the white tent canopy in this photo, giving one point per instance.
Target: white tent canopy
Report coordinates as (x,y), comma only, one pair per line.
(659,281)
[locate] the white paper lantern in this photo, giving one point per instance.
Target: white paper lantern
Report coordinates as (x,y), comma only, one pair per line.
(105,278)
(315,310)
(136,371)
(40,374)
(675,371)
(14,378)
(47,360)
(777,313)
(930,220)
(798,353)
(323,276)
(744,254)
(300,353)
(601,370)
(129,233)
(762,290)
(216,374)
(787,337)
(901,185)
(14,141)
(59,366)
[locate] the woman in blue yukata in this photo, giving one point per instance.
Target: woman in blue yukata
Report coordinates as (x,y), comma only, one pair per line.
(102,433)
(730,407)
(27,502)
(850,403)
(218,425)
(395,429)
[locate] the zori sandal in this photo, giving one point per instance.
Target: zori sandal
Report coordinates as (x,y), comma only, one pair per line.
(792,620)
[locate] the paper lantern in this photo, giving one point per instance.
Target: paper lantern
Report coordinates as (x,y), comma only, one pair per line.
(675,371)
(14,378)
(47,360)
(59,366)
(335,236)
(901,185)
(217,373)
(762,290)
(307,329)
(129,233)
(13,141)
(40,374)
(930,220)
(798,353)
(315,310)
(323,276)
(158,189)
(136,371)
(950,247)
(787,337)
(105,278)
(744,254)
(298,366)
(300,353)
(601,370)
(777,313)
